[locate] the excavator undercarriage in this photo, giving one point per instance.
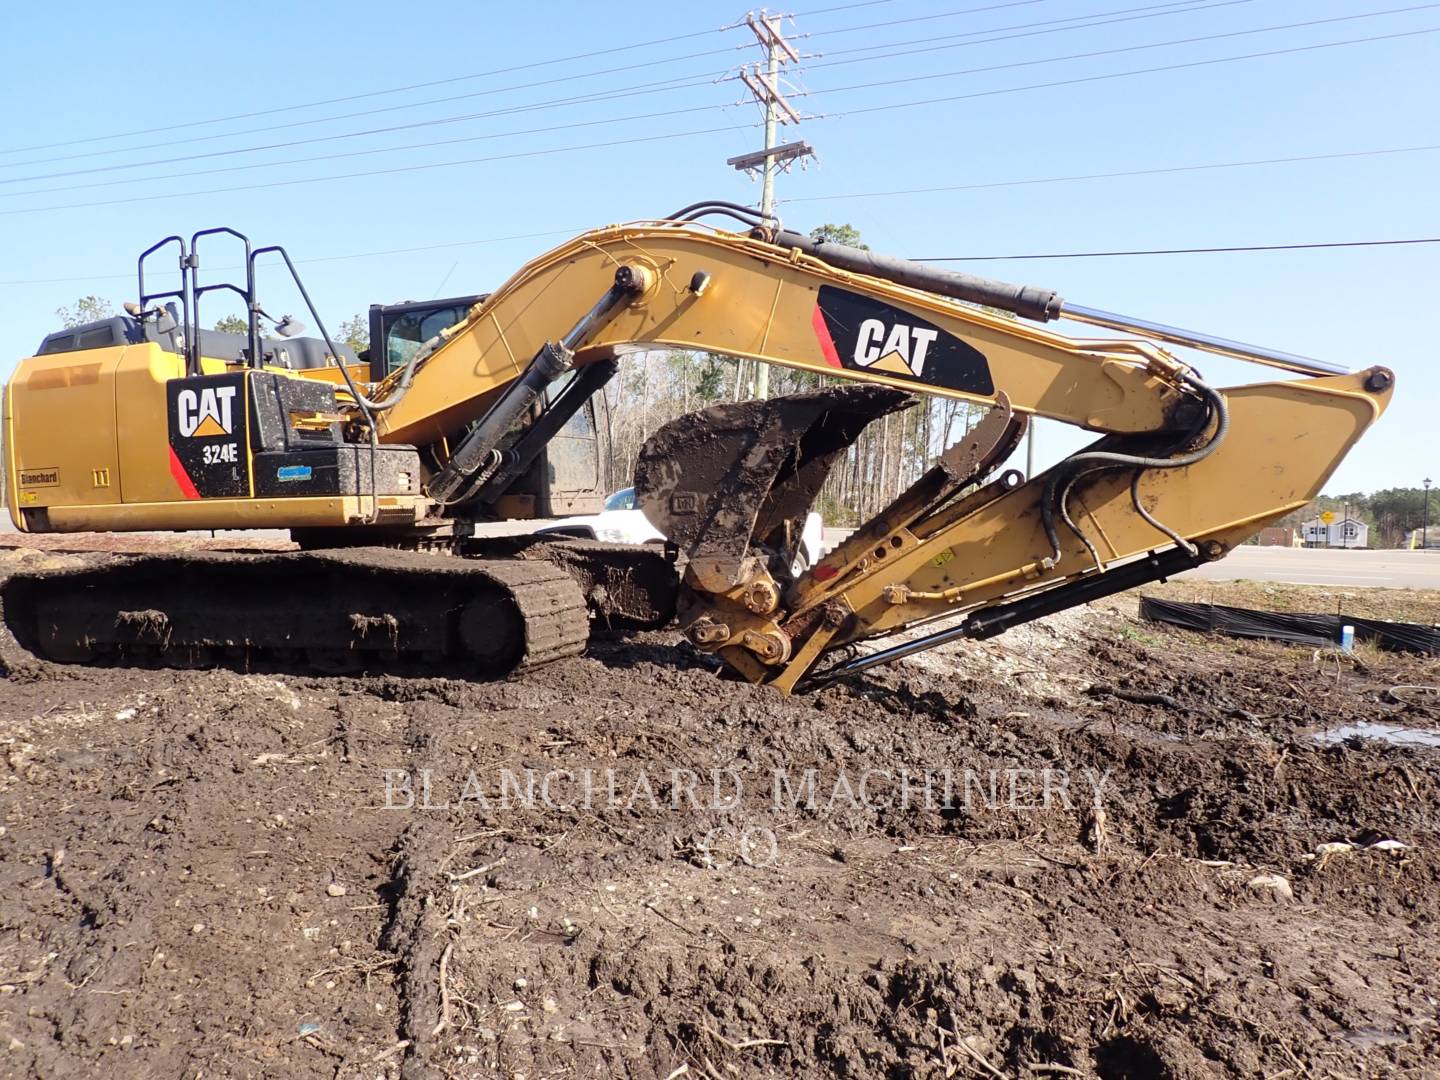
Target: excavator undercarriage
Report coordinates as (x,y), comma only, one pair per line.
(386,482)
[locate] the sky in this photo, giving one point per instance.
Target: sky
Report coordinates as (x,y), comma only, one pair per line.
(559,117)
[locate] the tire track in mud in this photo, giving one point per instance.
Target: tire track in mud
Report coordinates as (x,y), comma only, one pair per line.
(415,921)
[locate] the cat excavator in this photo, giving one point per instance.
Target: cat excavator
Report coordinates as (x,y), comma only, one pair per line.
(410,478)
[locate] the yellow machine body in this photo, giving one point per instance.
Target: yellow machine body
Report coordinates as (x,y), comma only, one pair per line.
(94,443)
(103,439)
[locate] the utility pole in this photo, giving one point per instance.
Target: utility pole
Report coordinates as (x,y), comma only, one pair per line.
(764,84)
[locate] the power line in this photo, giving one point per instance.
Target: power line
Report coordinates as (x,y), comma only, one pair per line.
(635,91)
(568,77)
(1046,26)
(735,127)
(1296,159)
(932,17)
(1127,74)
(1035,29)
(680,82)
(953,258)
(470,77)
(840,7)
(1143,48)
(385,172)
(1116,175)
(362,153)
(366,94)
(798,199)
(1186,251)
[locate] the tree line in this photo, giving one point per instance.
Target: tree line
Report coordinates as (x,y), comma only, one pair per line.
(654,388)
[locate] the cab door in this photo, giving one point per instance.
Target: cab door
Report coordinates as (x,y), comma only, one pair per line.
(573,466)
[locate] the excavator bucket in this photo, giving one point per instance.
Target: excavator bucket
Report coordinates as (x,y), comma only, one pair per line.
(727,480)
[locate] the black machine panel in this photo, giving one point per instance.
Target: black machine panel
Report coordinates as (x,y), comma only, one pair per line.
(864,334)
(209,436)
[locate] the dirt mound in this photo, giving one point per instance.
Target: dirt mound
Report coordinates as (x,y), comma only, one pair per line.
(1094,849)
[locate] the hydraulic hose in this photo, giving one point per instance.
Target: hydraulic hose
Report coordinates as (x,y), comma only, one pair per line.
(746,215)
(1073,468)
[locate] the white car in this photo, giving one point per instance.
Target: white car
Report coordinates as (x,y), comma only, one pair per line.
(620,522)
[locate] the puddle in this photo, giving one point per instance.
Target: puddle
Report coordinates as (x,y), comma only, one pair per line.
(1374,1037)
(1390,733)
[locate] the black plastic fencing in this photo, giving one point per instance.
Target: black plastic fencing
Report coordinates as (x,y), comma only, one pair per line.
(1293,628)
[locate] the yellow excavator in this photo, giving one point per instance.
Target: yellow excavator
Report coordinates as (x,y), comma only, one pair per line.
(392,470)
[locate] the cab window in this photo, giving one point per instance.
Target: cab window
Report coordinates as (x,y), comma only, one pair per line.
(405,335)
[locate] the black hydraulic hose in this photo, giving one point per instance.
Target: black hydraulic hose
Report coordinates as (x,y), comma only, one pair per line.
(1062,503)
(1027,301)
(406,374)
(1151,519)
(740,212)
(1071,469)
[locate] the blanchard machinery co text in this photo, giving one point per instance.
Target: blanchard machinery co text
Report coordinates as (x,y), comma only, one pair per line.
(1017,789)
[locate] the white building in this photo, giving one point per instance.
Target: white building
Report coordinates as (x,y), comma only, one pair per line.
(1340,533)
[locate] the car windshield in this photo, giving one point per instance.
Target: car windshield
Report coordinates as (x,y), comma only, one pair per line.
(624,499)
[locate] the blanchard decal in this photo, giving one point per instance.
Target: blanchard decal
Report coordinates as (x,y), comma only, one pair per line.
(34,478)
(209,440)
(291,473)
(864,334)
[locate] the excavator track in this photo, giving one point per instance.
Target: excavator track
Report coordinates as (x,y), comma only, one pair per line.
(335,611)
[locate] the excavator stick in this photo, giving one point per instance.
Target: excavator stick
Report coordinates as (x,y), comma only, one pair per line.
(928,503)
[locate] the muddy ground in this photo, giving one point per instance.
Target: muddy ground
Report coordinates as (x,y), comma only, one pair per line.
(206,873)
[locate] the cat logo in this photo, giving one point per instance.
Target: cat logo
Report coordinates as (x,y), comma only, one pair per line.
(899,350)
(205,413)
(864,333)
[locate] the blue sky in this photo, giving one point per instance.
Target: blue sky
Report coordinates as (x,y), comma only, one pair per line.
(76,71)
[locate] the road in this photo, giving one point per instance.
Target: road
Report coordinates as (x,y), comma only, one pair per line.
(1385,569)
